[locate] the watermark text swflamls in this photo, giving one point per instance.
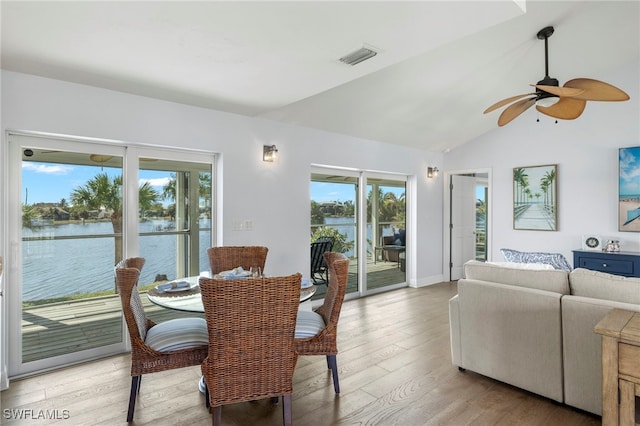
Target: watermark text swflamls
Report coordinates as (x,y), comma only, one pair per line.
(31,414)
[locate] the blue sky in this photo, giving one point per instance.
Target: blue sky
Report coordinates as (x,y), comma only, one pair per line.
(630,171)
(329,191)
(49,183)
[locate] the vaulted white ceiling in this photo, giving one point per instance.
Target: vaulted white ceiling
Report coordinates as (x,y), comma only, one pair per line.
(440,63)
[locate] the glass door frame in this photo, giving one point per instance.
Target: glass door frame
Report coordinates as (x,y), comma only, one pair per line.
(362,266)
(12,217)
(16,143)
(361,222)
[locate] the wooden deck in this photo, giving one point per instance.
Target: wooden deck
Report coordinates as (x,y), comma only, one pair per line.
(61,328)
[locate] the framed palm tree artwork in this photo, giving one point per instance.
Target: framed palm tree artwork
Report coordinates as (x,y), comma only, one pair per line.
(629,189)
(535,205)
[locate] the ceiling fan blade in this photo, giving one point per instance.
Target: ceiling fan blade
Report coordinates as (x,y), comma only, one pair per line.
(595,90)
(505,102)
(565,108)
(514,110)
(560,91)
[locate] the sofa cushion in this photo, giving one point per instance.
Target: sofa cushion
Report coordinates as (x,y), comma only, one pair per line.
(600,285)
(516,265)
(400,238)
(543,279)
(557,260)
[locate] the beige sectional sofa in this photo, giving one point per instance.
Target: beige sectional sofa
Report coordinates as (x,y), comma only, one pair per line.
(533,328)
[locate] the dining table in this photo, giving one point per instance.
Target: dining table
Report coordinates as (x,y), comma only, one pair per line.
(186,297)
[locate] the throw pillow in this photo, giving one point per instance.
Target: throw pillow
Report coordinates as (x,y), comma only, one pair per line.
(557,260)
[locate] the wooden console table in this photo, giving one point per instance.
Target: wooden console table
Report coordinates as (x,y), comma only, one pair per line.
(620,332)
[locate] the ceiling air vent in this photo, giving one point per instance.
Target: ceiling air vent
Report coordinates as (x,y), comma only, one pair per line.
(358,56)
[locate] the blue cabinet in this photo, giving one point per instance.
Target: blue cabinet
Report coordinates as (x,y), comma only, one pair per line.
(625,263)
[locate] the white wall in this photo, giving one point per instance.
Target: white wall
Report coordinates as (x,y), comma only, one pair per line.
(586,152)
(274,195)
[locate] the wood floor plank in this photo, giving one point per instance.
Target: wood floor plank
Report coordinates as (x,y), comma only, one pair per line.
(394,366)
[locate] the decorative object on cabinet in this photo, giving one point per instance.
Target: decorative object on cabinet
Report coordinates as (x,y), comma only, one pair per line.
(628,192)
(612,246)
(535,198)
(623,263)
(591,242)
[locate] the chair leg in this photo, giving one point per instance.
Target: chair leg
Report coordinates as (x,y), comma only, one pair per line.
(135,388)
(333,365)
(207,401)
(286,409)
(275,400)
(217,416)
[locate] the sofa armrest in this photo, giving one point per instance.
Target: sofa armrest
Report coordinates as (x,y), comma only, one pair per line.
(512,334)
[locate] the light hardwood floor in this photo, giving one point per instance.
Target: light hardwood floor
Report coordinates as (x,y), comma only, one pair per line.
(395,369)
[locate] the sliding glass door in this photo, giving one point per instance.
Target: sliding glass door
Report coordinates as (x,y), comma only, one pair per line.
(386,233)
(77,208)
(334,217)
(373,237)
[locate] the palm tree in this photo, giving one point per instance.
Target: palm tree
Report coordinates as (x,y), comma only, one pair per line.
(100,192)
(550,177)
(169,190)
(520,179)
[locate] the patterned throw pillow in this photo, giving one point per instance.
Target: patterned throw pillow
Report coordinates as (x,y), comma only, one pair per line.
(557,260)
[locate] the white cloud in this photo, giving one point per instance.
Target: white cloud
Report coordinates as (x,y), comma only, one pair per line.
(156,182)
(57,169)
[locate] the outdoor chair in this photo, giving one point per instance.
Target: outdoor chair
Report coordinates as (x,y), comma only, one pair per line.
(226,258)
(318,264)
(155,347)
(252,355)
(316,331)
(392,246)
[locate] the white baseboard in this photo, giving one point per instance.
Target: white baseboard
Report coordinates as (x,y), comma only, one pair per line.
(425,281)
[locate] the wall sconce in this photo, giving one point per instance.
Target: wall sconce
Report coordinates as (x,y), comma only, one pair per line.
(269,153)
(432,172)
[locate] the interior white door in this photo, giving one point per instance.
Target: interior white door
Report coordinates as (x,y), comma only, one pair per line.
(462,223)
(4,379)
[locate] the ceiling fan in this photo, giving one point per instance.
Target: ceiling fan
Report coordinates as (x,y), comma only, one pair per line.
(566,102)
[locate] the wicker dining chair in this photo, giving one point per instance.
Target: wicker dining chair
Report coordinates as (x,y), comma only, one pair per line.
(252,355)
(155,347)
(226,258)
(316,331)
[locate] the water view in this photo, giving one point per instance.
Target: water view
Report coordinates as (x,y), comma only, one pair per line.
(92,259)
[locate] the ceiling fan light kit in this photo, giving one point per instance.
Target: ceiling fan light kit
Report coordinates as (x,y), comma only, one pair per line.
(566,102)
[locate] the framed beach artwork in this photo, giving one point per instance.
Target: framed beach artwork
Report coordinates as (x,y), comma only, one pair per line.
(629,189)
(535,195)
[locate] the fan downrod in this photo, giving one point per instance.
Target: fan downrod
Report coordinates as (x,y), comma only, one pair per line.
(545,33)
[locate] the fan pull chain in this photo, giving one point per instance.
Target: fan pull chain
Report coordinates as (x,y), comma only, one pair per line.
(538,117)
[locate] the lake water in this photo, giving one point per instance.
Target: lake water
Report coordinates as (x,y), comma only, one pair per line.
(346,225)
(57,268)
